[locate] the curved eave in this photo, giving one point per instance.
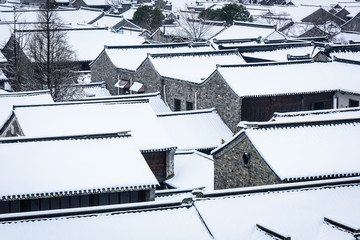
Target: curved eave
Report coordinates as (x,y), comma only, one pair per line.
(76,192)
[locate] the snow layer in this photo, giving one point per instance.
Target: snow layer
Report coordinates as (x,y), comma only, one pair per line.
(241,32)
(309,150)
(2,58)
(178,223)
(209,30)
(83,118)
(108,21)
(89,49)
(80,16)
(8,100)
(320,115)
(281,54)
(131,58)
(194,68)
(201,129)
(192,170)
(348,55)
(5,34)
(291,78)
(295,213)
(68,165)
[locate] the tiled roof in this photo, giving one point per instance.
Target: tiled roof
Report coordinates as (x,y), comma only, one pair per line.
(197,129)
(97,117)
(72,165)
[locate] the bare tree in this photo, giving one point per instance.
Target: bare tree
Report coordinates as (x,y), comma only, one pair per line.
(51,56)
(17,67)
(193,28)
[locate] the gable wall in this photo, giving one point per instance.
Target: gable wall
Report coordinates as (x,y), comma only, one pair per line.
(231,172)
(216,93)
(103,70)
(11,128)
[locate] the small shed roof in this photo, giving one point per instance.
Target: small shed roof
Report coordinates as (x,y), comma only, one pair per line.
(75,163)
(192,169)
(197,129)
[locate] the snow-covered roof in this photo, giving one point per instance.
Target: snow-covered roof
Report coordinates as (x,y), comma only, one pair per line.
(318,115)
(281,55)
(323,2)
(98,117)
(178,222)
(129,13)
(63,164)
(2,76)
(2,58)
(193,67)
(96,2)
(130,57)
(7,100)
(297,214)
(192,169)
(157,104)
(5,34)
(300,151)
(324,210)
(296,78)
(88,44)
(107,20)
(79,16)
(91,90)
(23,16)
(297,29)
(196,129)
(207,30)
(347,55)
(245,31)
(346,37)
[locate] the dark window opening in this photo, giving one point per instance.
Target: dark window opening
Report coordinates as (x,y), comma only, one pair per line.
(319,106)
(246,158)
(353,103)
(189,106)
(177,105)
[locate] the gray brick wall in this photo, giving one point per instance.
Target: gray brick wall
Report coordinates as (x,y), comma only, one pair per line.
(230,171)
(103,70)
(214,93)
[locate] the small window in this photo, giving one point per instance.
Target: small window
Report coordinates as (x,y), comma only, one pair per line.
(189,106)
(353,103)
(246,158)
(177,105)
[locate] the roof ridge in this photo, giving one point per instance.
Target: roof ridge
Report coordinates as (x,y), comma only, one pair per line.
(17,139)
(195,53)
(188,112)
(86,101)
